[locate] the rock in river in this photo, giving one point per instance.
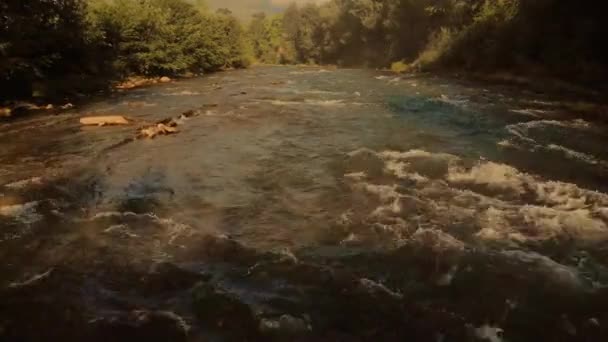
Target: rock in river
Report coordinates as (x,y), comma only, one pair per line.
(104,120)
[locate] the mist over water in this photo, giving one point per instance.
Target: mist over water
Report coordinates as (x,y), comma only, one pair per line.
(362,204)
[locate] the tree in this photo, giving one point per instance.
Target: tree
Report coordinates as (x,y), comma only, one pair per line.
(168,37)
(25,58)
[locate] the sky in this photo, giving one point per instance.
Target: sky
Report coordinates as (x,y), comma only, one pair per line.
(245,8)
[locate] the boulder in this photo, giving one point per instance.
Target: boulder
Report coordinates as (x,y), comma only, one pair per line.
(126,85)
(104,120)
(165,79)
(159,129)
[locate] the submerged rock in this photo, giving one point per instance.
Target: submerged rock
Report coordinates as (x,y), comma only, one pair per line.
(285,325)
(217,309)
(489,333)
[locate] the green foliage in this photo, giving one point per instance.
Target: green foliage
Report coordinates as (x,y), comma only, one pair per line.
(561,37)
(267,40)
(168,37)
(45,40)
(41,39)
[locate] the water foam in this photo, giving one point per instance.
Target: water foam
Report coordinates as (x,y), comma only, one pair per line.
(173,229)
(493,175)
(182,93)
(25,213)
(323,103)
(24,183)
(572,154)
(505,205)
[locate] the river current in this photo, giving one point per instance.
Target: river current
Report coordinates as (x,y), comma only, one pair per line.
(309,204)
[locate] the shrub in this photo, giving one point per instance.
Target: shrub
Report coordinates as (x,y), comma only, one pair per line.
(168,37)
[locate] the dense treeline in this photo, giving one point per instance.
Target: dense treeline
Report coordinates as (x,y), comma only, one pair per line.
(560,37)
(48,45)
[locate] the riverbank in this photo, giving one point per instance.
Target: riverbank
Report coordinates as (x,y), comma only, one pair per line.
(582,99)
(77,95)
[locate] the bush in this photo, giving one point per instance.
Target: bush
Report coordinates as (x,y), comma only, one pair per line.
(57,45)
(41,39)
(168,37)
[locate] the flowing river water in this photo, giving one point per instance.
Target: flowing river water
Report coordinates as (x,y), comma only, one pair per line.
(307,204)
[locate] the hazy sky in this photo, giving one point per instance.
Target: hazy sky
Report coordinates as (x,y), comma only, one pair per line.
(245,8)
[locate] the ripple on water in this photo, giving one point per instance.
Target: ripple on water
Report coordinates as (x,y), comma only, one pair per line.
(548,136)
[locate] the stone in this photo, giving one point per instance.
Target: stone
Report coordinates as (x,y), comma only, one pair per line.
(165,79)
(104,120)
(159,129)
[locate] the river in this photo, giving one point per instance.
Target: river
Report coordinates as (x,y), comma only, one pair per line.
(311,204)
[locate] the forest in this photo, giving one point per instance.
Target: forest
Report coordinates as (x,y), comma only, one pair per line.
(57,44)
(556,37)
(65,45)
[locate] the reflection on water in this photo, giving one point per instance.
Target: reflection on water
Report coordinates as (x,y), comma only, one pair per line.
(307,203)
